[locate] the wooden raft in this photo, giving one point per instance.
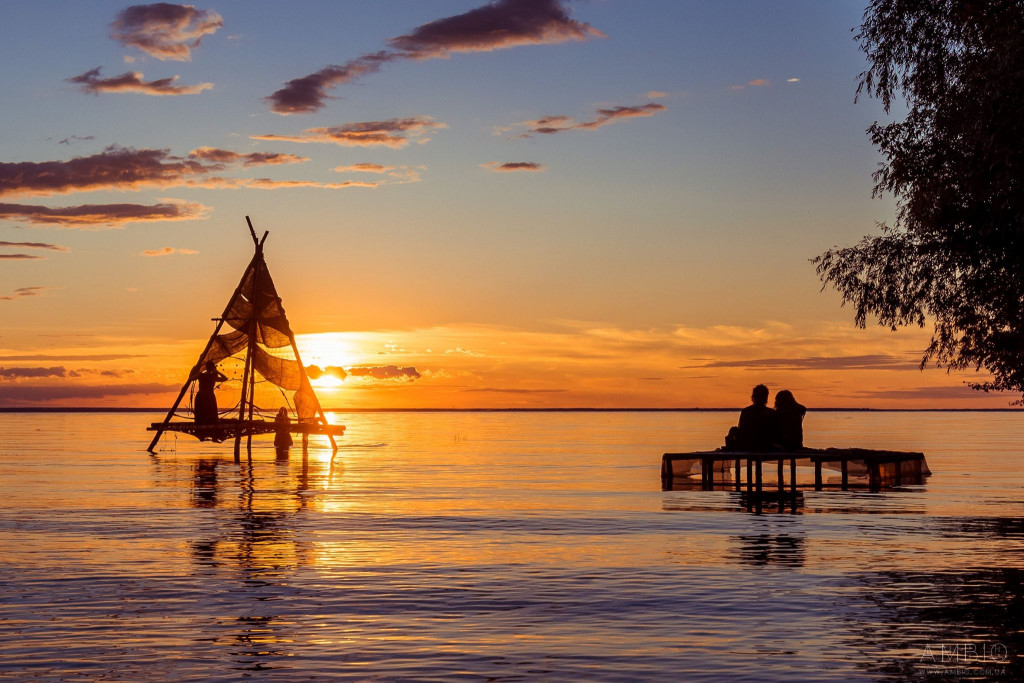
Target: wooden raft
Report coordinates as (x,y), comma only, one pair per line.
(228,428)
(882,468)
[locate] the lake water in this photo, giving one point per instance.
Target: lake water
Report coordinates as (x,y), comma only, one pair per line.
(502,546)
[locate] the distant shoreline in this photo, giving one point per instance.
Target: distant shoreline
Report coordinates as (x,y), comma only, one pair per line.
(535,410)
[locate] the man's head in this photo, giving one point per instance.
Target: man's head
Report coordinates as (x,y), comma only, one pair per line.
(759,395)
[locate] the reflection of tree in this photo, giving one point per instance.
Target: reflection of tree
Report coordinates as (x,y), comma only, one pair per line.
(983,606)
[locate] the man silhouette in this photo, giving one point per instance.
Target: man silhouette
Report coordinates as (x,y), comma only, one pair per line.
(759,424)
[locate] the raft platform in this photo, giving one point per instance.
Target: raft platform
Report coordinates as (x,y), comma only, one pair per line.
(225,429)
(857,468)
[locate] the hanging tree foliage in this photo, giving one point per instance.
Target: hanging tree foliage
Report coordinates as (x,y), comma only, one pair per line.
(955,254)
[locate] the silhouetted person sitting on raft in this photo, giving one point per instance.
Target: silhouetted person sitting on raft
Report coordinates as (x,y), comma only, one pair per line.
(759,425)
(282,432)
(791,417)
(205,407)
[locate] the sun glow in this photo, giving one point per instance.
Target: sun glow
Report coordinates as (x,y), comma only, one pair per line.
(327,349)
(327,382)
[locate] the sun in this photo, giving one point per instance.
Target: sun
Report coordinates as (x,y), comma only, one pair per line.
(327,349)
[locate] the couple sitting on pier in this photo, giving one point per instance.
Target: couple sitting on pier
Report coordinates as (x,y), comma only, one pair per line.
(764,429)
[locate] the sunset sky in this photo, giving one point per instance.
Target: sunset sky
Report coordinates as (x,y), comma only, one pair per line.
(527,203)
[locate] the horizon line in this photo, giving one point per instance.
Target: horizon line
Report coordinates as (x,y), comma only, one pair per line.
(696,409)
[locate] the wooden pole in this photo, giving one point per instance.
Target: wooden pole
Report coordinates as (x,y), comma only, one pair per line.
(792,473)
(305,382)
(196,367)
(781,482)
(253,329)
(817,474)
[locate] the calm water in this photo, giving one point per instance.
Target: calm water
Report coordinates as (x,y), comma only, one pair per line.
(502,546)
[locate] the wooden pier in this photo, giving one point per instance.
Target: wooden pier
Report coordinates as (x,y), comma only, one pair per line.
(858,468)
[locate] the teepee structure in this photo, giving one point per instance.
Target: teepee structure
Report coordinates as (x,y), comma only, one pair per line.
(258,361)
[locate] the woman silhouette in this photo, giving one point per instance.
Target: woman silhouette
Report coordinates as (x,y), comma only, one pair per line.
(791,418)
(205,407)
(282,432)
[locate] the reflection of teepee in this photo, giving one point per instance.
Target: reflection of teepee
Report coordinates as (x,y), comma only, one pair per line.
(261,341)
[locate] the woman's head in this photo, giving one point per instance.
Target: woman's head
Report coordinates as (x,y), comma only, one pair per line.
(283,412)
(211,366)
(784,399)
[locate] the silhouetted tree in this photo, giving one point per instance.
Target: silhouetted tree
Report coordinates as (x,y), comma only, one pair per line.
(956,167)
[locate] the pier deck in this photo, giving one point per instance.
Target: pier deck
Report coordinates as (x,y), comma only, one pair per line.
(858,468)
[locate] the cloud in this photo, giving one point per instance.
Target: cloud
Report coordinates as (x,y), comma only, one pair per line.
(167,251)
(33,393)
(926,393)
(514,166)
(394,133)
(78,357)
(316,372)
(497,390)
(864,362)
(268,184)
(26,291)
(756,83)
(115,168)
(96,215)
(20,257)
(164,30)
(33,373)
(560,123)
(71,139)
(656,94)
(792,80)
(385,372)
(364,168)
(34,245)
(225,156)
(496,25)
(131,81)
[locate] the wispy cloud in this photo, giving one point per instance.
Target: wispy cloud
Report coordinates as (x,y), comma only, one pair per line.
(364,168)
(72,139)
(132,81)
(34,245)
(497,25)
(97,215)
(32,393)
(560,123)
(168,251)
(756,83)
(498,166)
(115,168)
(20,257)
(225,156)
(385,372)
(121,168)
(864,362)
(393,133)
(164,30)
(22,292)
(792,80)
(32,373)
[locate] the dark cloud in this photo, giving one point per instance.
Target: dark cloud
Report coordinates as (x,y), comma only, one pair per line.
(75,138)
(164,30)
(33,373)
(131,81)
(95,215)
(66,357)
(498,390)
(308,93)
(225,156)
(20,257)
(866,362)
(384,372)
(25,291)
(316,372)
(22,393)
(514,166)
(34,245)
(115,168)
(394,133)
(559,123)
(926,393)
(500,24)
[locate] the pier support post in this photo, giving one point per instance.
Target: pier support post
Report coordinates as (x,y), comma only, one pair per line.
(792,474)
(846,474)
(759,476)
(737,474)
(817,475)
(782,483)
(750,474)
